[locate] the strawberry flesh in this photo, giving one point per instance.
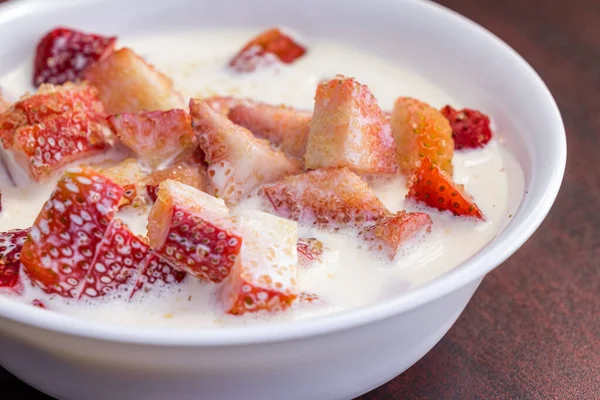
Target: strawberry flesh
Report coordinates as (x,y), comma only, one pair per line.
(470,128)
(117,259)
(191,175)
(11,243)
(63,54)
(265,278)
(156,137)
(62,242)
(392,231)
(348,129)
(328,198)
(193,230)
(266,49)
(436,189)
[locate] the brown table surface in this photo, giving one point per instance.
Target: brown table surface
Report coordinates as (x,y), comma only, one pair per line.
(532,330)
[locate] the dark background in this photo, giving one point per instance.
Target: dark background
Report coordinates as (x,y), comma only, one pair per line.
(532,330)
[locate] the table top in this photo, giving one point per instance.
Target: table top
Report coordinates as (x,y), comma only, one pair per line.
(532,330)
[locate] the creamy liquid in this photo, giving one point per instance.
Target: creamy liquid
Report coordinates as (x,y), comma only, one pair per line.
(348,276)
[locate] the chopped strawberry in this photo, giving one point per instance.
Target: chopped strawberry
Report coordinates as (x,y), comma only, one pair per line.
(237,161)
(435,188)
(470,128)
(189,174)
(45,147)
(267,48)
(421,131)
(156,137)
(309,250)
(348,129)
(126,83)
(50,101)
(194,231)
(128,174)
(63,53)
(38,303)
(391,232)
(156,270)
(329,198)
(11,243)
(62,242)
(117,259)
(285,127)
(265,276)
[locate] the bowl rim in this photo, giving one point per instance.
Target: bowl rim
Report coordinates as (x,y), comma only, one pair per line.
(476,267)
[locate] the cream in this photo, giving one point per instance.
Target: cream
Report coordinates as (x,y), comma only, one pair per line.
(349,275)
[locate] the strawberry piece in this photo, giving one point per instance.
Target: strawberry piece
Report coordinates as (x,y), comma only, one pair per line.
(435,188)
(50,101)
(128,174)
(126,83)
(193,230)
(63,53)
(309,250)
(11,243)
(46,147)
(392,231)
(38,303)
(156,137)
(62,242)
(348,129)
(117,258)
(421,131)
(470,128)
(328,198)
(265,276)
(285,127)
(267,48)
(156,270)
(237,161)
(191,175)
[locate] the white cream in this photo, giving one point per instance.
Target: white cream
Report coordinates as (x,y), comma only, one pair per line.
(349,276)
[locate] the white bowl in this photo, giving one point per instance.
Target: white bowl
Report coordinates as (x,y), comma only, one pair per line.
(337,357)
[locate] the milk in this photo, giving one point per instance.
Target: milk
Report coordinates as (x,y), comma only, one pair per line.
(349,276)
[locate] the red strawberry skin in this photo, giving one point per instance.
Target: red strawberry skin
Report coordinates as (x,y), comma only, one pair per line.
(154,270)
(470,128)
(392,231)
(62,242)
(192,229)
(267,47)
(48,102)
(63,53)
(118,257)
(11,243)
(47,146)
(435,188)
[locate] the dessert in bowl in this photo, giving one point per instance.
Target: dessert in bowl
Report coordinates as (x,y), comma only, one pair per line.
(198,203)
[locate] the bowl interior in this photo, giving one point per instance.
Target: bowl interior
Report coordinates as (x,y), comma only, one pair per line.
(452,52)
